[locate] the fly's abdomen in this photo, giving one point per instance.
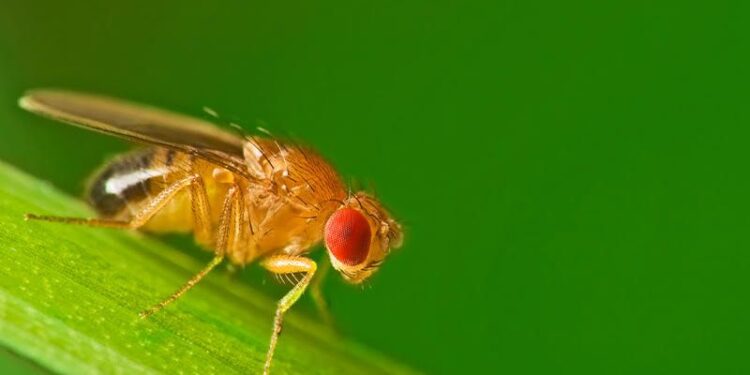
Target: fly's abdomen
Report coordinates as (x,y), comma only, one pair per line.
(129,184)
(124,184)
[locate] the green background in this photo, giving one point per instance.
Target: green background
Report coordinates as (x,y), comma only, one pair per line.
(572,176)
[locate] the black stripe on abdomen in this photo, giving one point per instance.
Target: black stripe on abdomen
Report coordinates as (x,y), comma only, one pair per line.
(124,180)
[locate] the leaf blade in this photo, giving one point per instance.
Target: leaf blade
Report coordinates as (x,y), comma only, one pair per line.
(69,298)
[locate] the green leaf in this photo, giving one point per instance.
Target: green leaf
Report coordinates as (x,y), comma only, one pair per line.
(70,297)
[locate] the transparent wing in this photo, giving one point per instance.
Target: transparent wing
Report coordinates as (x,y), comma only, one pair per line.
(139,123)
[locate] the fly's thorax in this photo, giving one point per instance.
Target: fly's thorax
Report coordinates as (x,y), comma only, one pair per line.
(359,235)
(285,227)
(293,172)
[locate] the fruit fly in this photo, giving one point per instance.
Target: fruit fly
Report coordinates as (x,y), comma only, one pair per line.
(244,198)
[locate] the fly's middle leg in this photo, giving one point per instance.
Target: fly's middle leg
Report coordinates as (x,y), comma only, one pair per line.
(229,216)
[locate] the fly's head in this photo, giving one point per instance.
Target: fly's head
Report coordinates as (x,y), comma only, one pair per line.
(359,235)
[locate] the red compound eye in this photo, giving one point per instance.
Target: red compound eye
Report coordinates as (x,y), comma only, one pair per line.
(347,236)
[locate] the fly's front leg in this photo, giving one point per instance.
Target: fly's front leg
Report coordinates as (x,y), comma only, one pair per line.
(286,264)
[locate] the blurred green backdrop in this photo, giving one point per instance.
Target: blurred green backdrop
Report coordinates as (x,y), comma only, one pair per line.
(572,175)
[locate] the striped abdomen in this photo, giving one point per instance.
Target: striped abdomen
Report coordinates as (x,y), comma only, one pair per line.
(128,183)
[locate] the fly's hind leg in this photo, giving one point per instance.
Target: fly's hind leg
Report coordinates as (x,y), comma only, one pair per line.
(230,214)
(286,264)
(202,225)
(199,205)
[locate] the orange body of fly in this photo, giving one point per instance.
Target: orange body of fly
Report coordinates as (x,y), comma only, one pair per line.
(244,198)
